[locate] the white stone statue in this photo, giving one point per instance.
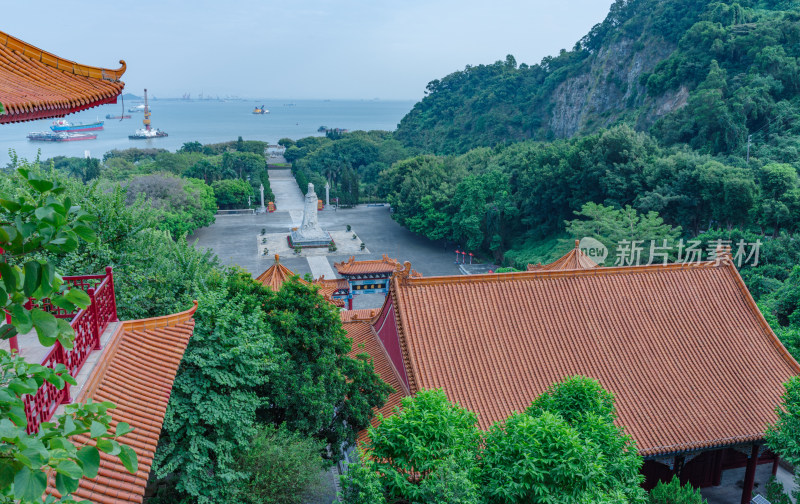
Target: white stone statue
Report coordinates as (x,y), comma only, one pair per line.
(310,229)
(263,208)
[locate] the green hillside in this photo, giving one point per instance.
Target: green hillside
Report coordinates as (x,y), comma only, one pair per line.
(706,73)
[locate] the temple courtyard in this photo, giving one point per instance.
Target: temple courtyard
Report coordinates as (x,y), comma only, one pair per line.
(238,239)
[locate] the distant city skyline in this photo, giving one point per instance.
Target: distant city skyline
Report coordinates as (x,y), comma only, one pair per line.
(306,49)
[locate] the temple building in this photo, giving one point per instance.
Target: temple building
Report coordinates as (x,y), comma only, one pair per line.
(367,277)
(276,275)
(334,290)
(694,367)
(35,84)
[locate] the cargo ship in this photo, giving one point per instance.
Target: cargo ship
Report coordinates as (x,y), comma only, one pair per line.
(123,116)
(60,136)
(64,125)
(146,132)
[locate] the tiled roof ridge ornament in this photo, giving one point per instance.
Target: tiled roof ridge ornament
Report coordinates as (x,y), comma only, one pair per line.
(277,259)
(403,271)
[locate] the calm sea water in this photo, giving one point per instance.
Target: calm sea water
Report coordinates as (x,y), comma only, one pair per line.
(207,122)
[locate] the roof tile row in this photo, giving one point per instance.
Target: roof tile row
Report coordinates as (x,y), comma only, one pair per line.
(136,373)
(35,84)
(688,356)
(357,325)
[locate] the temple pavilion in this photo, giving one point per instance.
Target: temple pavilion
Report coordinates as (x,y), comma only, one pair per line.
(131,363)
(334,290)
(694,367)
(367,277)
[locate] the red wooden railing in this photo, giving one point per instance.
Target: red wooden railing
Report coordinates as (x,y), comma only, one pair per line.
(88,325)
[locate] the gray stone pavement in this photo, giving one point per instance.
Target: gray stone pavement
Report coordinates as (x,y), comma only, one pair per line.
(231,237)
(730,490)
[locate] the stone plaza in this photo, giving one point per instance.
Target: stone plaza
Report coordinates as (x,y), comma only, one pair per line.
(237,239)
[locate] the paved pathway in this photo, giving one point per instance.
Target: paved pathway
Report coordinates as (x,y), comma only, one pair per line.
(320,266)
(288,197)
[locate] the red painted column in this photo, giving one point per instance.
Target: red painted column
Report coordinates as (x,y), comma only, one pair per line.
(775,465)
(750,476)
(110,275)
(66,396)
(350,303)
(12,342)
(95,323)
(717,476)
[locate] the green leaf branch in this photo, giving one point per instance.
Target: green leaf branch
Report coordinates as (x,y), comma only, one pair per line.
(35,223)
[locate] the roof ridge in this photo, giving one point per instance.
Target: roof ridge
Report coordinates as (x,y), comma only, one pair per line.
(519,275)
(394,294)
(765,327)
(160,322)
(65,65)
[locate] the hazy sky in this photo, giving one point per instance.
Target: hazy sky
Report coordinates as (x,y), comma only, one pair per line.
(298,48)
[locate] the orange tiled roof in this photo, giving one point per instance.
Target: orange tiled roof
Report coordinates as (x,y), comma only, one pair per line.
(353,267)
(36,84)
(572,260)
(358,315)
(690,359)
(136,373)
(328,287)
(365,341)
(276,275)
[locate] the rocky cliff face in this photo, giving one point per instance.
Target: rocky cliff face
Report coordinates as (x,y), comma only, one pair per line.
(610,89)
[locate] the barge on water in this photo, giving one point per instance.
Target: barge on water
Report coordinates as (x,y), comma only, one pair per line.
(61,136)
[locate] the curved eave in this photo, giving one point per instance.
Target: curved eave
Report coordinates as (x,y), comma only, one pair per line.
(49,112)
(36,84)
(62,64)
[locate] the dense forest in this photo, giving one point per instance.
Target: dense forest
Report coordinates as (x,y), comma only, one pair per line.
(184,188)
(706,73)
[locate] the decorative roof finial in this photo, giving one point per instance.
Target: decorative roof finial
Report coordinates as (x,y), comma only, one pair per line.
(402,272)
(277,259)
